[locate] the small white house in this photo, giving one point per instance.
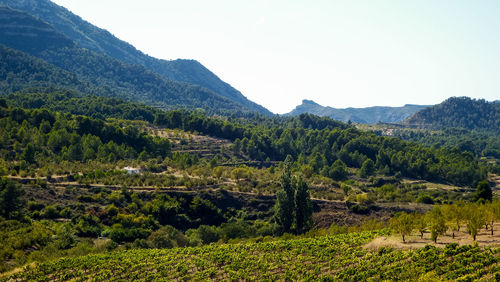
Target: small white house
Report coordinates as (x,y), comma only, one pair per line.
(131,170)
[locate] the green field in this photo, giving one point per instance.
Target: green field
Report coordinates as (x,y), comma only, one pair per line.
(339,257)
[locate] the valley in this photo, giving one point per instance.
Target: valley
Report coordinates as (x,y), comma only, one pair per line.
(115,165)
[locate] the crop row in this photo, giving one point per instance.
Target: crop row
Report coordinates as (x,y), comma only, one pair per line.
(340,257)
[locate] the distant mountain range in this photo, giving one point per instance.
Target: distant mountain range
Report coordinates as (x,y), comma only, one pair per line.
(43,45)
(460,112)
(369,115)
(93,53)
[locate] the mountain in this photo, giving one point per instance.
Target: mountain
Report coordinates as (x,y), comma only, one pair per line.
(23,32)
(20,71)
(101,41)
(461,112)
(91,72)
(369,115)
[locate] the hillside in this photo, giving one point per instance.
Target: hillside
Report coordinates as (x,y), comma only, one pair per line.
(326,258)
(460,112)
(101,41)
(112,77)
(88,105)
(19,71)
(116,166)
(74,185)
(23,32)
(369,115)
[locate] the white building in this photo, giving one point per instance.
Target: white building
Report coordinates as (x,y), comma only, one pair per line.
(131,170)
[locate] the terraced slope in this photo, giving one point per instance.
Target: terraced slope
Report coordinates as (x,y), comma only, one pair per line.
(340,257)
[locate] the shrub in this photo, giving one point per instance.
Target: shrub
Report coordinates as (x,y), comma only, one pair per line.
(167,237)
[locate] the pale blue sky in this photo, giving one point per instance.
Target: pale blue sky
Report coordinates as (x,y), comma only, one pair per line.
(337,53)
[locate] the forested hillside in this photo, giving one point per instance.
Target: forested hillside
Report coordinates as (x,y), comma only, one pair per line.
(33,135)
(118,166)
(460,112)
(102,42)
(316,142)
(19,71)
(102,183)
(479,143)
(23,32)
(110,76)
(75,103)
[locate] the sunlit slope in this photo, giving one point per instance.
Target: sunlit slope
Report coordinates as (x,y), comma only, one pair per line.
(340,257)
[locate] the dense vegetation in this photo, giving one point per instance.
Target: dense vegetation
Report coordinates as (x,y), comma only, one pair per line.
(18,71)
(104,43)
(479,143)
(312,141)
(330,258)
(11,24)
(38,136)
(88,105)
(112,76)
(94,186)
(90,150)
(460,112)
(61,222)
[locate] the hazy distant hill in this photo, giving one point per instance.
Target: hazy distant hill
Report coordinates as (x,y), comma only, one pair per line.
(461,112)
(369,115)
(101,41)
(100,74)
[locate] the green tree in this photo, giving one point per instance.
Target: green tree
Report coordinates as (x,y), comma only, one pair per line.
(402,223)
(28,153)
(168,237)
(495,209)
(208,234)
(303,207)
(475,218)
(483,191)
(436,223)
(338,170)
(420,223)
(240,173)
(489,216)
(367,168)
(10,198)
(454,217)
(285,198)
(293,209)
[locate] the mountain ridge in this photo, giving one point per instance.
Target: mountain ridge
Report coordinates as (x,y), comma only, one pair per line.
(369,115)
(102,41)
(95,73)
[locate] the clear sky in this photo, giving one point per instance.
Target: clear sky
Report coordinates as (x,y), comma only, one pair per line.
(349,53)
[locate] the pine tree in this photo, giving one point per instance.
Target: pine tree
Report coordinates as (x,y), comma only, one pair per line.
(10,198)
(483,191)
(367,169)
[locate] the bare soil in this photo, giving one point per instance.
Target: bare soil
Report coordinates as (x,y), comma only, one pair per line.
(414,241)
